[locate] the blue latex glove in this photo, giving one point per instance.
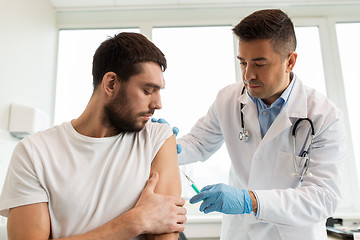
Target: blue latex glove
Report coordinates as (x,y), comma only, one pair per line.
(223,198)
(175,131)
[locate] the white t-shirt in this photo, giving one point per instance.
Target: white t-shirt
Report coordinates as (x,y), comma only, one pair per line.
(86,181)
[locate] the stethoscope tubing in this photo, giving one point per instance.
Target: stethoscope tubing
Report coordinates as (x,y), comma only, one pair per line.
(244,135)
(307,152)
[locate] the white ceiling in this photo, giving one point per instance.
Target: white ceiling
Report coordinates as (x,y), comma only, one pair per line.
(132,4)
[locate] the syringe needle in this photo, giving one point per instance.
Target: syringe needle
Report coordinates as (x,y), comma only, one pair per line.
(191,183)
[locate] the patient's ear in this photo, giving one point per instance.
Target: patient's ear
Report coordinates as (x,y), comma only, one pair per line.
(109,83)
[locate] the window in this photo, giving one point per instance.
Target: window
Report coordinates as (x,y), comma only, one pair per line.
(195,61)
(201,61)
(348,35)
(309,66)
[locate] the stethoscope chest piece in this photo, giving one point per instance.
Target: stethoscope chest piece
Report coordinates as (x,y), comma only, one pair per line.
(244,135)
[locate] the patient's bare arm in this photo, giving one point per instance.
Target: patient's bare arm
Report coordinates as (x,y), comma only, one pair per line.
(165,163)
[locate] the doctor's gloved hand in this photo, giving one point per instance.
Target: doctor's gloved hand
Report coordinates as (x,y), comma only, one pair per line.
(223,198)
(175,131)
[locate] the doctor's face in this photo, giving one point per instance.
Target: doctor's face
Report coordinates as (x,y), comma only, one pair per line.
(264,73)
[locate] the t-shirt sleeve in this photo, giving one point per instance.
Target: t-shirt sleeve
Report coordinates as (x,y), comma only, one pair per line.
(159,132)
(21,186)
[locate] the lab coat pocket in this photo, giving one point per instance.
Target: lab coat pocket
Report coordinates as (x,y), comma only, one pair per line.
(283,175)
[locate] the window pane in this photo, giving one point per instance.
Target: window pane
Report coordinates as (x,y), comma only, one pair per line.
(201,61)
(348,35)
(309,66)
(74,71)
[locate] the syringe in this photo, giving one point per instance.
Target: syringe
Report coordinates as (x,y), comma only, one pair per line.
(191,183)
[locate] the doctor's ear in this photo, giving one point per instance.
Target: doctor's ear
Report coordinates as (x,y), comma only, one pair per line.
(109,83)
(290,62)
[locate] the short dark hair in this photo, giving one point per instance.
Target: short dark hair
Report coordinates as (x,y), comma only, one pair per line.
(123,55)
(271,24)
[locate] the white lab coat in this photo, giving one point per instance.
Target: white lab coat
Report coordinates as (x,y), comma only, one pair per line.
(288,210)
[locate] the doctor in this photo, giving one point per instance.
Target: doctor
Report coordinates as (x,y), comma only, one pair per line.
(271,193)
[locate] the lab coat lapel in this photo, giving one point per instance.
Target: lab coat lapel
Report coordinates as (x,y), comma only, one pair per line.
(296,107)
(297,104)
(280,123)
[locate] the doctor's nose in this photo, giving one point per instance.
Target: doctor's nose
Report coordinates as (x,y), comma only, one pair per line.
(248,73)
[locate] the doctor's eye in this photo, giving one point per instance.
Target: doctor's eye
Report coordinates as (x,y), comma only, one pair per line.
(243,64)
(260,65)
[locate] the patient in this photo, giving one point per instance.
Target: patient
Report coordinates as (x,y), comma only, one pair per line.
(109,174)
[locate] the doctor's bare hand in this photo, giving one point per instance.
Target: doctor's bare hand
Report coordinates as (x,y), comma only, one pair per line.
(159,213)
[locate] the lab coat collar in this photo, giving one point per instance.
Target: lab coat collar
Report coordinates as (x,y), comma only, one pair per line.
(296,107)
(244,98)
(250,114)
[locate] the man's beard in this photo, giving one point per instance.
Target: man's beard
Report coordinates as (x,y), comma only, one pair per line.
(119,117)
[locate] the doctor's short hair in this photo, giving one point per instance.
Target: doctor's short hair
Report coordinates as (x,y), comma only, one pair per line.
(272,24)
(123,55)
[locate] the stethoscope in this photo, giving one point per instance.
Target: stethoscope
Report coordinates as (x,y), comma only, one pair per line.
(305,154)
(244,136)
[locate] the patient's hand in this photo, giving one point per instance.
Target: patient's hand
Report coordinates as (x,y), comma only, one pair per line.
(159,213)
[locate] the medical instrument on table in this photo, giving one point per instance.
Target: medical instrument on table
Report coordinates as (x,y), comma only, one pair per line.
(244,135)
(191,183)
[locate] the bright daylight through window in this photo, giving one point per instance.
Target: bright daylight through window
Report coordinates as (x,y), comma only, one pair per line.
(201,61)
(348,35)
(309,65)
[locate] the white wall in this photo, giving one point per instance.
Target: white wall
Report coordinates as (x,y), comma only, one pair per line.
(27,63)
(27,55)
(28,46)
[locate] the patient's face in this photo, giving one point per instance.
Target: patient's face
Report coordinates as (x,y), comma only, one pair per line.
(136,100)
